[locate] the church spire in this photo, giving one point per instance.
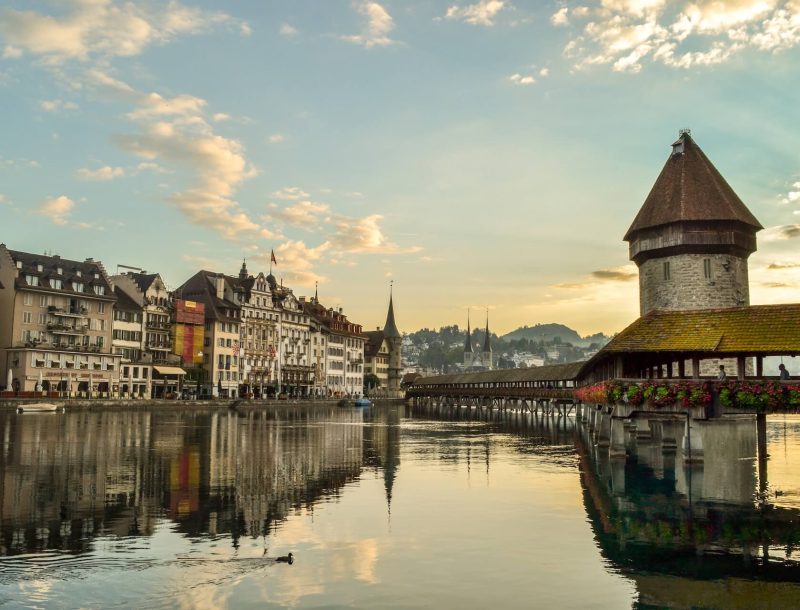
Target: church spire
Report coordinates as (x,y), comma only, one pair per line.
(468,342)
(390,328)
(487,342)
(243,270)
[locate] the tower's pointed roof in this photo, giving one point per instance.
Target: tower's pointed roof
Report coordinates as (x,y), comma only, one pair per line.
(468,342)
(390,328)
(487,341)
(690,188)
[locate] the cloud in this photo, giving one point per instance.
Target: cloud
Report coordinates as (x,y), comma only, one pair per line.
(356,235)
(101,174)
(481,13)
(618,274)
(291,193)
(288,30)
(780,265)
(793,195)
(303,214)
(56,105)
(57,209)
(101,29)
(275,138)
(296,261)
(627,34)
(219,117)
(626,273)
(175,131)
(519,79)
(781,233)
(376,31)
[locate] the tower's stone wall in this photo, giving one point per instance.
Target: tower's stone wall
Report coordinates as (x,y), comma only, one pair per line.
(687,286)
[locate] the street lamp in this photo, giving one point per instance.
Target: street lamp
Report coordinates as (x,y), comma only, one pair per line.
(199,371)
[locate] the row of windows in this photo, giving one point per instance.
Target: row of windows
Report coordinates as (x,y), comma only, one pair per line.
(76,306)
(58,284)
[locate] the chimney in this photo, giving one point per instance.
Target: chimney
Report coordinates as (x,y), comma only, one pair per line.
(220,286)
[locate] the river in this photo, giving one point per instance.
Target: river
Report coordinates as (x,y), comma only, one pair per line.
(388,507)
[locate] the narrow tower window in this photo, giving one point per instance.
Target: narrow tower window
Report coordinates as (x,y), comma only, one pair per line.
(707,268)
(666,270)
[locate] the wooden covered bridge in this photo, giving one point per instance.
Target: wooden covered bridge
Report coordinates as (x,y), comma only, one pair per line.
(671,346)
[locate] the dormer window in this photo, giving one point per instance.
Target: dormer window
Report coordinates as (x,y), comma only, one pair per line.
(100,290)
(39,267)
(96,275)
(19,264)
(77,286)
(54,283)
(32,280)
(78,272)
(60,271)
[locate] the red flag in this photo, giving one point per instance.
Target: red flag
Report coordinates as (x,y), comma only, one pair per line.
(272,257)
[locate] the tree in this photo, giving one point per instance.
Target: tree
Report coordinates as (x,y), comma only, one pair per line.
(371,381)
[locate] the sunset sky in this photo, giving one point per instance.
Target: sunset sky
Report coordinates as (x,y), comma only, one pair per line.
(487,153)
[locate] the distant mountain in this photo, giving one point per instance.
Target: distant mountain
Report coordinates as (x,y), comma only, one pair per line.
(549,332)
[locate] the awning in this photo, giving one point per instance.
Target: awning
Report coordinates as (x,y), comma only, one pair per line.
(169,370)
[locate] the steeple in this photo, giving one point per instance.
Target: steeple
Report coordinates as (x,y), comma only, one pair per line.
(468,342)
(316,293)
(243,271)
(487,342)
(390,328)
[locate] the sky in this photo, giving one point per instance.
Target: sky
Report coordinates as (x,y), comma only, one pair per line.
(477,154)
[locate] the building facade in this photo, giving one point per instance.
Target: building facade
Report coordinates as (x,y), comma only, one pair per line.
(55,325)
(384,357)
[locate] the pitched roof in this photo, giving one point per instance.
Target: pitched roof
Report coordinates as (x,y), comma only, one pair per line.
(690,188)
(758,329)
(553,372)
(125,301)
(201,287)
(143,280)
(71,271)
(374,341)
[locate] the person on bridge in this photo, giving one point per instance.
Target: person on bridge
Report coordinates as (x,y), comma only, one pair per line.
(722,376)
(784,374)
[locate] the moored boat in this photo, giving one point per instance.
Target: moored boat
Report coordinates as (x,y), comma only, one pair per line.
(39,407)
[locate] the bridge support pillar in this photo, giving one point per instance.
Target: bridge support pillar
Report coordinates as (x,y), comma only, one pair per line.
(693,442)
(617,446)
(670,432)
(643,431)
(603,429)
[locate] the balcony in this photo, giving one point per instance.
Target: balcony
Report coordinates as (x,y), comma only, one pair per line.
(67,329)
(153,325)
(160,345)
(71,312)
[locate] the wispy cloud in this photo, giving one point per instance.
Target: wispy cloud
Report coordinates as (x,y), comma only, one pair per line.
(303,214)
(480,13)
(56,105)
(102,29)
(290,193)
(520,79)
(781,232)
(792,195)
(101,174)
(783,265)
(626,273)
(288,30)
(379,24)
(627,34)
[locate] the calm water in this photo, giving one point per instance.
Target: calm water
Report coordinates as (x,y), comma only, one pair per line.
(387,508)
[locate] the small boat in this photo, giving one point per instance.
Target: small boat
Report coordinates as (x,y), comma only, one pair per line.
(39,407)
(354,402)
(362,402)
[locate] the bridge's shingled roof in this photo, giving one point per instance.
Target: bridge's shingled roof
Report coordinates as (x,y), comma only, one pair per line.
(552,372)
(757,329)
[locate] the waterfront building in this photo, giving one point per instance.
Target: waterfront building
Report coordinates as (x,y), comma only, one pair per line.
(188,339)
(343,358)
(383,355)
(144,297)
(221,347)
(692,237)
(259,333)
(297,372)
(55,325)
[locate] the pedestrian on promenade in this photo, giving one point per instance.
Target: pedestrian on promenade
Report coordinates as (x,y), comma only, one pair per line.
(784,374)
(722,376)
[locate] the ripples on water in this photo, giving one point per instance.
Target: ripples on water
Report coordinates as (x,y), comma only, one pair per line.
(386,508)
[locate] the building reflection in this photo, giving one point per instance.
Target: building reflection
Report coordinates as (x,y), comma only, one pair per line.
(69,478)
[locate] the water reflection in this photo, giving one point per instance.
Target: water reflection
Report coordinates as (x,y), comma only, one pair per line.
(115,490)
